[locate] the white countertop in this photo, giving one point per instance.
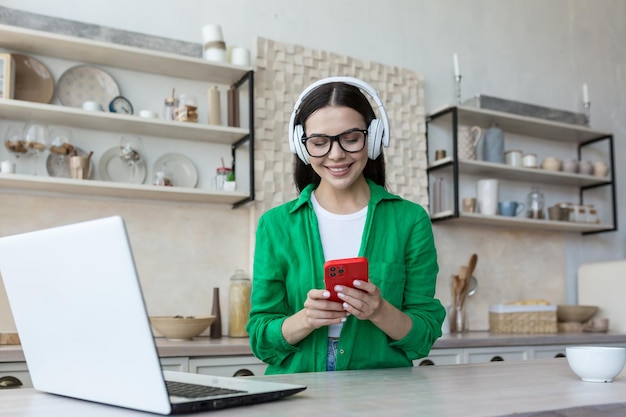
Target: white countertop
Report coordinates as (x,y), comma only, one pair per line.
(476,390)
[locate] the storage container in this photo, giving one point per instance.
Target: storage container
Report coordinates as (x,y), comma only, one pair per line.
(522,319)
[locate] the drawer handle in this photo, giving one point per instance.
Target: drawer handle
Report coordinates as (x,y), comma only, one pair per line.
(9,382)
(497,359)
(244,372)
(426,362)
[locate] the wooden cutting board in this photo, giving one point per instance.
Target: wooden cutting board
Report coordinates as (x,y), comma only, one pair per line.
(603,284)
(9,339)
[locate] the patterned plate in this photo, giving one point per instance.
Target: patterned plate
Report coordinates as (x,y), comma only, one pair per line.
(85,83)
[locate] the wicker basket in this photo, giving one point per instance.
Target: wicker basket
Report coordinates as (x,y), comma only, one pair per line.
(523,319)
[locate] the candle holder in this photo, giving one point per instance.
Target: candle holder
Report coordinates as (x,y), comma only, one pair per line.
(587,111)
(458,88)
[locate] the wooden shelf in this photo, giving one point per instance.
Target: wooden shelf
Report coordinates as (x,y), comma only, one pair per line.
(116,122)
(518,222)
(487,169)
(142,60)
(522,125)
(114,189)
(121,56)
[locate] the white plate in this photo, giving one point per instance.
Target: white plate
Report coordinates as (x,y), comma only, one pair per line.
(59,165)
(112,168)
(178,168)
(85,83)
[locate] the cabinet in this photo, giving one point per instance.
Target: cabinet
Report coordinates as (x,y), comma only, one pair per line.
(240,140)
(227,366)
(542,137)
(12,373)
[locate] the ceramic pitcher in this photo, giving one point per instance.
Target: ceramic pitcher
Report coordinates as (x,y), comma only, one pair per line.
(468,138)
(492,145)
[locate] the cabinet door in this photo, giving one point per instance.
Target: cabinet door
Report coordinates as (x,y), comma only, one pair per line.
(547,352)
(179,364)
(227,366)
(16,370)
(441,357)
(482,355)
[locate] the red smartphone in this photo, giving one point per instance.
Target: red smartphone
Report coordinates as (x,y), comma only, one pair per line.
(344,272)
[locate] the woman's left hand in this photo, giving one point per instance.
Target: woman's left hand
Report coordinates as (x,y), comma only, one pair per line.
(363,301)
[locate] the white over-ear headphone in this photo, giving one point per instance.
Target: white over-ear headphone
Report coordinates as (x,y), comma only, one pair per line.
(377,132)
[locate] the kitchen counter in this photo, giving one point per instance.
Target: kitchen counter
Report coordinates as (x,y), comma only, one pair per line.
(475,390)
(226,346)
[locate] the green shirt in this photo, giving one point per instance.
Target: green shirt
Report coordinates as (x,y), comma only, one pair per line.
(288,262)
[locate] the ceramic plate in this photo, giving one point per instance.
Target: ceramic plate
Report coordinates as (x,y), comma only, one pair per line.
(112,168)
(178,168)
(85,83)
(59,165)
(33,81)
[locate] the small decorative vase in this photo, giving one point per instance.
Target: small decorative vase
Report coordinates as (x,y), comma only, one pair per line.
(216,327)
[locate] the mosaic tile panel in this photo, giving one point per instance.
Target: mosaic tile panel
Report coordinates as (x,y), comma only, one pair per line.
(283,71)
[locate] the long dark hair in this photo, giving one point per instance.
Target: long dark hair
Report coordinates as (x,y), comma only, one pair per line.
(336,94)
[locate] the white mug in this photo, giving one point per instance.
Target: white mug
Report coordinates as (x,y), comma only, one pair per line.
(487,196)
(240,56)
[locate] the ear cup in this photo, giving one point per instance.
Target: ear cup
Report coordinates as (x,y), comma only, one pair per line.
(375,133)
(297,146)
(378,130)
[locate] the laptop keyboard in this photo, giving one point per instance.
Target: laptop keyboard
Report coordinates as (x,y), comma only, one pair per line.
(185,390)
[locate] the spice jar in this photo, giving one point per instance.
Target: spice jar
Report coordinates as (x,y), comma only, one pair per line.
(170,107)
(239,304)
(187,110)
(534,204)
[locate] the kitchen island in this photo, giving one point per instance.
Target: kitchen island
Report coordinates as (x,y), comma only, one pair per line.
(474,390)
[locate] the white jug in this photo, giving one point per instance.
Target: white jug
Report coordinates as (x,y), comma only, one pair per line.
(468,138)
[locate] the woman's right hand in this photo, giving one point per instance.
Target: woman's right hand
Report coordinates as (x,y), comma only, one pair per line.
(318,311)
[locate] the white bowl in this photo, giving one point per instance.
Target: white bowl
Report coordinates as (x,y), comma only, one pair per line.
(596,363)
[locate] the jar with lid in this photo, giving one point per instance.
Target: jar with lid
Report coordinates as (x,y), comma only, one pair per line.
(169,108)
(592,214)
(535,204)
(187,110)
(221,176)
(239,304)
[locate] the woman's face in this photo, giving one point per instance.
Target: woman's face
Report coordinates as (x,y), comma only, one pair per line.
(338,169)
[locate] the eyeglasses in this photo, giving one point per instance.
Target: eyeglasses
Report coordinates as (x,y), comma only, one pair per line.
(350,141)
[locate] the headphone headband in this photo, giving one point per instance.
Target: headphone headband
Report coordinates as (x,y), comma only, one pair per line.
(379,135)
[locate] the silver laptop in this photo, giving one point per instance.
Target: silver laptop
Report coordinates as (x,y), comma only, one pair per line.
(79,310)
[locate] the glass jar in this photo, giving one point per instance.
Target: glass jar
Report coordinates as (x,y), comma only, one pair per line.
(169,108)
(187,110)
(221,176)
(239,304)
(535,203)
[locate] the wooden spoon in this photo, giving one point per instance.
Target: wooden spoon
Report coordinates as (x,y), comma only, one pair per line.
(469,270)
(472,265)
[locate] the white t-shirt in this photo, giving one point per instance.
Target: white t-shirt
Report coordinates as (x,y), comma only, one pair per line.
(341,236)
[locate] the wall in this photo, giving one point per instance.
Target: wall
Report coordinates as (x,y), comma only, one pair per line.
(528,50)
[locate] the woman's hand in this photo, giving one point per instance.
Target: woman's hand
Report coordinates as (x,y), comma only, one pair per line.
(365,302)
(318,311)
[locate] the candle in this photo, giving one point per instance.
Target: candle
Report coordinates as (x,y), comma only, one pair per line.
(585,94)
(455,58)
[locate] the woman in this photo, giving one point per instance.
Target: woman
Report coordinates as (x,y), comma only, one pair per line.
(342,211)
